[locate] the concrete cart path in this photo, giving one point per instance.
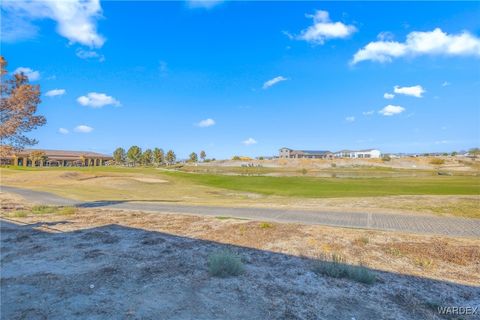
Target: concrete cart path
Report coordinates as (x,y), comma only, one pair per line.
(449,226)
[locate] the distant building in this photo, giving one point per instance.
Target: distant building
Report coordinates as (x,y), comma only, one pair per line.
(368,153)
(286,153)
(55,158)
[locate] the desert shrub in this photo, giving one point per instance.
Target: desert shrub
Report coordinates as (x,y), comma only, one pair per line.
(66,211)
(386,157)
(304,171)
(42,209)
(20,213)
(362,241)
(333,165)
(437,161)
(224,263)
(336,266)
(265,225)
(236,158)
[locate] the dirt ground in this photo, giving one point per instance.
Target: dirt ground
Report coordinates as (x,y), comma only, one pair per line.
(104,264)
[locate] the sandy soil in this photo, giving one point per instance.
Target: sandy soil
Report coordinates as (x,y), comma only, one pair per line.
(131,265)
(458,163)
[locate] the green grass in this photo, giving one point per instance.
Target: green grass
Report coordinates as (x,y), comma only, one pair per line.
(334,187)
(292,186)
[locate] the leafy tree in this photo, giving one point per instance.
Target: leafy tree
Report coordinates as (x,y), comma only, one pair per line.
(193,157)
(236,158)
(18,107)
(37,155)
(454,153)
(134,154)
(474,152)
(119,155)
(158,156)
(147,157)
(203,155)
(171,157)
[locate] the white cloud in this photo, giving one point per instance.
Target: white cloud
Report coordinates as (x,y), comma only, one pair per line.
(55,92)
(368,113)
(387,95)
(273,81)
(89,54)
(446,84)
(434,42)
(76,19)
(83,129)
(97,100)
(206,123)
(31,74)
(350,119)
(249,142)
(324,29)
(63,131)
(414,91)
(203,3)
(391,110)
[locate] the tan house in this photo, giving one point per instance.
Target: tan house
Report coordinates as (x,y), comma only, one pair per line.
(55,158)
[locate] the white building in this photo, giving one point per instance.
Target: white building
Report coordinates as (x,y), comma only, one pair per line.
(369,153)
(286,153)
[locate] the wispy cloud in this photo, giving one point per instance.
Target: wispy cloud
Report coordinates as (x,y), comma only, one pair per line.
(206,4)
(206,123)
(414,91)
(89,54)
(391,110)
(31,74)
(97,100)
(350,119)
(83,129)
(249,142)
(324,29)
(273,82)
(387,95)
(418,43)
(76,19)
(368,113)
(446,84)
(63,131)
(55,92)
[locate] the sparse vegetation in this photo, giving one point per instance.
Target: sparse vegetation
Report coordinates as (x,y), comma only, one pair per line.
(66,211)
(437,161)
(224,264)
(386,158)
(336,266)
(42,209)
(265,225)
(362,241)
(62,211)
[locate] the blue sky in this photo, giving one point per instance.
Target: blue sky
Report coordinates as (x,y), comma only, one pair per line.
(248,78)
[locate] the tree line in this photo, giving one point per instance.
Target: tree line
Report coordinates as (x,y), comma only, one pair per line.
(135,156)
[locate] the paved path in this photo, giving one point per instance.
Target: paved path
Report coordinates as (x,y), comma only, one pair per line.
(395,222)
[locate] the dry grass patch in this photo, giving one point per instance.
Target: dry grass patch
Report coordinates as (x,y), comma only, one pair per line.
(423,254)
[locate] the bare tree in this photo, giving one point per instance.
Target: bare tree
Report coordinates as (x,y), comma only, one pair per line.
(18,106)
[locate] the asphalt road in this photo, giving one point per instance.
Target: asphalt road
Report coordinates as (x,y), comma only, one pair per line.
(449,226)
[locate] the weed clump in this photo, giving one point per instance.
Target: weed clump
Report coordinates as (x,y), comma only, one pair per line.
(224,264)
(336,266)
